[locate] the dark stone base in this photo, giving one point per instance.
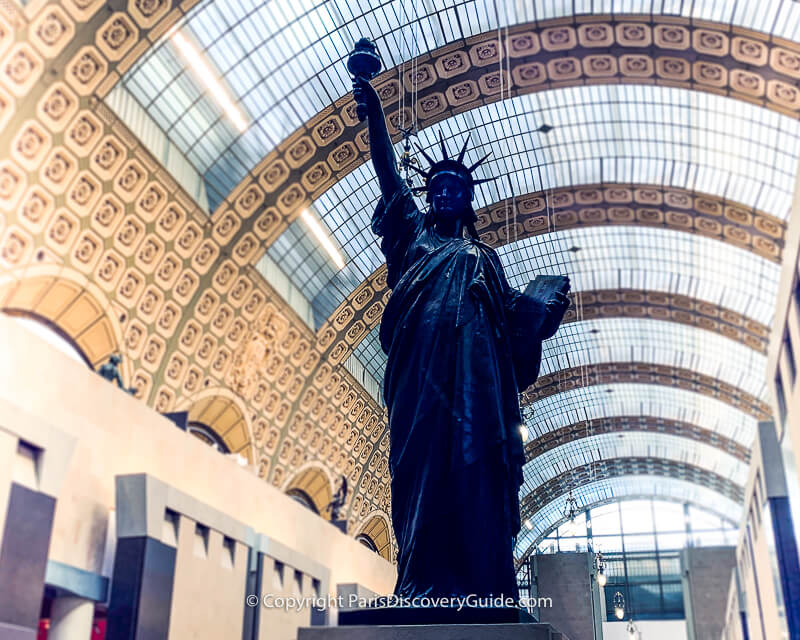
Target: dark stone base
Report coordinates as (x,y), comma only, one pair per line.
(433,615)
(434,632)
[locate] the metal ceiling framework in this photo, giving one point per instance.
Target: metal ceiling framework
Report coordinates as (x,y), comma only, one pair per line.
(624,134)
(284,62)
(550,517)
(666,64)
(627,424)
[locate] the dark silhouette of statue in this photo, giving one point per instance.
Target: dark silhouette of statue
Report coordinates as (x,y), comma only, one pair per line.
(110,371)
(338,500)
(452,377)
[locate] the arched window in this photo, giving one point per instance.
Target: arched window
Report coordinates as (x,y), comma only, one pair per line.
(367,542)
(303,498)
(207,435)
(50,333)
(375,536)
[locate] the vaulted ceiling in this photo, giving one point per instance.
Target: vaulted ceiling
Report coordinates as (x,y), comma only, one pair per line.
(646,149)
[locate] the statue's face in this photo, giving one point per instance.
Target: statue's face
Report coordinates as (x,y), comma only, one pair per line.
(449,196)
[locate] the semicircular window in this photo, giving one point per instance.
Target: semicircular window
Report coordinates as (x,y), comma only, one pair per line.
(50,333)
(303,498)
(364,539)
(208,435)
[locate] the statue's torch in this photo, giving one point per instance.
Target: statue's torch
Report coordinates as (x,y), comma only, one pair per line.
(364,62)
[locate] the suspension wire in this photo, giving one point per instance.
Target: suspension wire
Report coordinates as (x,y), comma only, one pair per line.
(415,67)
(505,94)
(504,72)
(401,68)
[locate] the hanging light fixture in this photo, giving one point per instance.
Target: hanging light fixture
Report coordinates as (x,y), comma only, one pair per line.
(600,565)
(619,605)
(571,507)
(633,631)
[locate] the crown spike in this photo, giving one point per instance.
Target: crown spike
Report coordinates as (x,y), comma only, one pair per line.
(464,148)
(444,148)
(482,180)
(424,174)
(430,160)
(474,166)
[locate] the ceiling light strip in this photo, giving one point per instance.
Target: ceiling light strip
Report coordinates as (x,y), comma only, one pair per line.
(316,228)
(205,75)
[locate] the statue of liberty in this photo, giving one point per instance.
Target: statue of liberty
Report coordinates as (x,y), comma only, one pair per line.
(452,377)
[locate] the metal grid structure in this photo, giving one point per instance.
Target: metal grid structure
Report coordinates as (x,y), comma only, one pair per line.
(668,524)
(602,134)
(594,403)
(284,60)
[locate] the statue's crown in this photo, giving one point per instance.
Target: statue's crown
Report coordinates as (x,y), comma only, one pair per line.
(453,166)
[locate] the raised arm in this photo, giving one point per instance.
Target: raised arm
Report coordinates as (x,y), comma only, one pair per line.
(383,158)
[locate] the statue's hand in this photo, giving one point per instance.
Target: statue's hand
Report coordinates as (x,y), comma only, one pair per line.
(555,308)
(364,93)
(558,305)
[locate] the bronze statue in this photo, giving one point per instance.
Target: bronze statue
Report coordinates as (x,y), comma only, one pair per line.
(110,371)
(453,375)
(338,500)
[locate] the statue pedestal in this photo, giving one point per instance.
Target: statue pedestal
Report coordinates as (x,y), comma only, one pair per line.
(402,616)
(533,631)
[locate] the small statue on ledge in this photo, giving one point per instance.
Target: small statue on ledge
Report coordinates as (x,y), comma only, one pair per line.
(337,502)
(110,371)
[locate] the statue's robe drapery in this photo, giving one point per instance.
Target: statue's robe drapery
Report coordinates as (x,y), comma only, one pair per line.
(456,453)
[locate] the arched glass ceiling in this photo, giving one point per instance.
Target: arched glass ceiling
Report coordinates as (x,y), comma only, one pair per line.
(609,133)
(658,342)
(630,399)
(573,454)
(284,60)
(626,487)
(648,258)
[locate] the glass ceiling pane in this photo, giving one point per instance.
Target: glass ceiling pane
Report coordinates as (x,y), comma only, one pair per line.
(669,517)
(621,487)
(283,60)
(644,258)
(637,516)
(606,519)
(554,462)
(702,520)
(616,133)
(659,342)
(370,354)
(634,399)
